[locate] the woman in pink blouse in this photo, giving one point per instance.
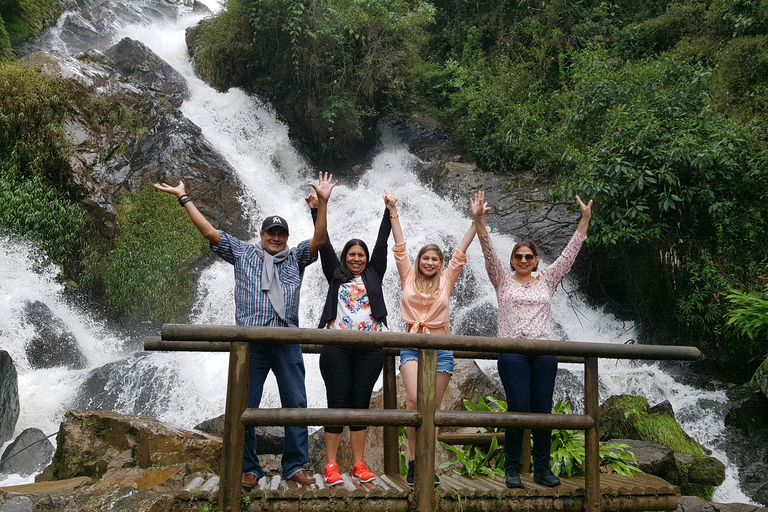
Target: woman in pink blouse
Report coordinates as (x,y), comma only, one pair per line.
(525,312)
(425,303)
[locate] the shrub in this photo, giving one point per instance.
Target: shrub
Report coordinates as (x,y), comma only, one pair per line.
(149,276)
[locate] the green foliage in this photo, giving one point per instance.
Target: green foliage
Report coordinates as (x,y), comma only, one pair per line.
(149,276)
(35,211)
(741,77)
(749,314)
(476,460)
(5,42)
(348,60)
(26,18)
(567,455)
(36,196)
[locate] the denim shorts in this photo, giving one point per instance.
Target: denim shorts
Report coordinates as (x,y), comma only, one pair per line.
(444,359)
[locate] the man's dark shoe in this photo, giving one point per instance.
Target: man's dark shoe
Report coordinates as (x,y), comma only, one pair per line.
(544,476)
(250,480)
(513,481)
(301,477)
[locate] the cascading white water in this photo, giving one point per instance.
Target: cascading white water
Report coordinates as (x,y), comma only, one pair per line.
(191,386)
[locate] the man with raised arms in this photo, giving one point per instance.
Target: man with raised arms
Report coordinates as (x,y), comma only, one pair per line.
(267,280)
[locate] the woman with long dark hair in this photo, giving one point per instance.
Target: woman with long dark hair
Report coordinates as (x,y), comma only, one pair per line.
(355,301)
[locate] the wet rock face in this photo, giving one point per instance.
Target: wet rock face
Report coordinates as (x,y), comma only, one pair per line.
(94,24)
(9,397)
(54,344)
(519,200)
(27,454)
(135,383)
(747,441)
(133,59)
(127,132)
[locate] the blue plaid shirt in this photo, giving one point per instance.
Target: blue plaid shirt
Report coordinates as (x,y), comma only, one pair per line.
(252,307)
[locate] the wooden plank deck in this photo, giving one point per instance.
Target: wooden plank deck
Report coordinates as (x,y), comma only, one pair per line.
(457,493)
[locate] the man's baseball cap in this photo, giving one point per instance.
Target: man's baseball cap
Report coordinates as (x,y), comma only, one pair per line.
(274,221)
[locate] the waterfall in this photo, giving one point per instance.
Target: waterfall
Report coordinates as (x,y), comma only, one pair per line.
(186,388)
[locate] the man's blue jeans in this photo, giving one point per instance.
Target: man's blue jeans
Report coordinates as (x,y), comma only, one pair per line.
(287,363)
(529,382)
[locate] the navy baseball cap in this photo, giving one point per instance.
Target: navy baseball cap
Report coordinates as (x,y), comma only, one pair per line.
(274,221)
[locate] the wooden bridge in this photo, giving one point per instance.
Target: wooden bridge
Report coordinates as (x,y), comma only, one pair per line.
(591,493)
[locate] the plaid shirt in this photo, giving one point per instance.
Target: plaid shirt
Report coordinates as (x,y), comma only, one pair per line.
(252,307)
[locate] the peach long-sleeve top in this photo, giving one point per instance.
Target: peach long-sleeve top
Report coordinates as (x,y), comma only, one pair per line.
(425,313)
(525,311)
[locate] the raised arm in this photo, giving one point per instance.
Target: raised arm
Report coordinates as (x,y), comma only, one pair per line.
(323,191)
(200,222)
(328,258)
(391,202)
(479,209)
(586,215)
(477,203)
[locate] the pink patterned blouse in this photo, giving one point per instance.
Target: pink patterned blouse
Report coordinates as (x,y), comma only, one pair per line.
(422,313)
(525,311)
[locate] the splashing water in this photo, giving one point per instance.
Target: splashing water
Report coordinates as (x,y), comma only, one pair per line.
(190,387)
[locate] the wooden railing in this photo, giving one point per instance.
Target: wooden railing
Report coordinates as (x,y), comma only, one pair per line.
(236,340)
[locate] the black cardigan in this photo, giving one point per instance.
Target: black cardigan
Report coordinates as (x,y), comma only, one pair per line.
(372,275)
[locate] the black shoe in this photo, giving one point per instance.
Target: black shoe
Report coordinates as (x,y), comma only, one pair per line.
(513,480)
(544,476)
(409,476)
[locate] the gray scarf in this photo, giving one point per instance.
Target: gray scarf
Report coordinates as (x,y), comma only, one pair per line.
(270,279)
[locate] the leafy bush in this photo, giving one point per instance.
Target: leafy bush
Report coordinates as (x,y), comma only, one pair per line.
(149,276)
(477,460)
(567,450)
(332,65)
(37,200)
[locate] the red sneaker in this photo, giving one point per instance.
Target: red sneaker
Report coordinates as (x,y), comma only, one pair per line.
(362,473)
(331,474)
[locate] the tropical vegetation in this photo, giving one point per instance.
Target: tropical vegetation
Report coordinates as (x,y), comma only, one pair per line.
(657,110)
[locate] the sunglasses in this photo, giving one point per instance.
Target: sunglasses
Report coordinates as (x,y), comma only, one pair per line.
(528,257)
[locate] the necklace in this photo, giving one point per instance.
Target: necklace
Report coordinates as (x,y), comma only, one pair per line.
(525,285)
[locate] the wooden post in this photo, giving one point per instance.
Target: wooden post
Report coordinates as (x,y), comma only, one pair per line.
(389,399)
(593,499)
(234,431)
(525,457)
(424,464)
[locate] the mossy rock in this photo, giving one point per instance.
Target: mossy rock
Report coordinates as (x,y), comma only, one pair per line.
(631,417)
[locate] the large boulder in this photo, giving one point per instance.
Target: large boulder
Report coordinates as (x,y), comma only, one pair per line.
(28,454)
(133,59)
(137,384)
(53,344)
(680,469)
(101,443)
(9,397)
(746,442)
(126,132)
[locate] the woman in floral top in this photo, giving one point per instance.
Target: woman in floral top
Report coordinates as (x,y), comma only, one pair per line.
(355,301)
(425,305)
(525,312)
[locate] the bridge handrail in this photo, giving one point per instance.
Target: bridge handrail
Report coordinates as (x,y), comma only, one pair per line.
(237,340)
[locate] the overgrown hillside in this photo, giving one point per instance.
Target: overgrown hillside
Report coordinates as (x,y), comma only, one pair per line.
(656,110)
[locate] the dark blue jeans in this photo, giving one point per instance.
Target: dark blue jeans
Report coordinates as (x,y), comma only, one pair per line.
(529,382)
(287,363)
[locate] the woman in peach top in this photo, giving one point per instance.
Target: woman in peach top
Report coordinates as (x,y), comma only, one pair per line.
(425,302)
